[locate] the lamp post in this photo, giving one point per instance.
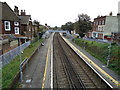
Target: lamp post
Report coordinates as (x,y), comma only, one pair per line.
(109,52)
(21,57)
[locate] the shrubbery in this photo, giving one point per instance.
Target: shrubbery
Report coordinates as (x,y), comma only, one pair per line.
(101,51)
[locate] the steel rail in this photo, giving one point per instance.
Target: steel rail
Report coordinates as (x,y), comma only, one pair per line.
(76,83)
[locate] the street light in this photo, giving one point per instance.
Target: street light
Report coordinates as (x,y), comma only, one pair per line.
(109,53)
(21,57)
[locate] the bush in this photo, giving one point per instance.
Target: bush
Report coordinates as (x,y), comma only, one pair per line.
(101,51)
(30,46)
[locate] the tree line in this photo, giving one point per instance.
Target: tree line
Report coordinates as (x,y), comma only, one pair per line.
(82,25)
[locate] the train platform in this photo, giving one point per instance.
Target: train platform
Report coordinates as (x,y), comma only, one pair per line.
(111,77)
(37,73)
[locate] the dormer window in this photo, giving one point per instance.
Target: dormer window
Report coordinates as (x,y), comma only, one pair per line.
(16,23)
(7,25)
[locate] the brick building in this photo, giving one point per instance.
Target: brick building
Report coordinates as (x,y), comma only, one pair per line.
(15,25)
(9,26)
(26,23)
(104,26)
(10,21)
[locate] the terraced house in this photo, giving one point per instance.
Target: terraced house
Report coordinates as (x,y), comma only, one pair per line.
(116,37)
(26,25)
(9,27)
(104,26)
(10,21)
(15,25)
(28,28)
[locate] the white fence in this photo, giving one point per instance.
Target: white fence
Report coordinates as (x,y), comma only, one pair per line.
(7,57)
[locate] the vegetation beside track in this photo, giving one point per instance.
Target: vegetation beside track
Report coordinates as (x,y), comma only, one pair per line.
(101,52)
(10,70)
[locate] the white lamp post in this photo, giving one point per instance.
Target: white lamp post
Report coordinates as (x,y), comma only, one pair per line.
(21,57)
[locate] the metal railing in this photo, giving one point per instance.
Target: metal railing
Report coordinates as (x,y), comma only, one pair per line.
(7,57)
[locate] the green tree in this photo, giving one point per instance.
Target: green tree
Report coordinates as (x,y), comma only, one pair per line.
(68,26)
(83,24)
(56,27)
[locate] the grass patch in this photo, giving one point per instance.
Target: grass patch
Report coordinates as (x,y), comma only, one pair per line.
(100,51)
(10,70)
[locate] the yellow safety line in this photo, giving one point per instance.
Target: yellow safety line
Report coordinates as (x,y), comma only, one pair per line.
(108,76)
(43,82)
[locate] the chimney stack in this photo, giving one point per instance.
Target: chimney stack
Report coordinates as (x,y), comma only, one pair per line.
(16,10)
(23,13)
(110,14)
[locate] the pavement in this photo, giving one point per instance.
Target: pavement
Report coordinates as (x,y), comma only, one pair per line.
(37,74)
(108,74)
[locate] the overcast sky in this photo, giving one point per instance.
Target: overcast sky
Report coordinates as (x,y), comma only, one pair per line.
(58,12)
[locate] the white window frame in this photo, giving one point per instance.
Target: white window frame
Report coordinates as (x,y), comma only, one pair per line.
(16,23)
(99,22)
(7,29)
(96,28)
(103,22)
(99,29)
(17,29)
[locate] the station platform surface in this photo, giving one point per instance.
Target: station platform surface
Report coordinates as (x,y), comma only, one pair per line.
(103,70)
(37,74)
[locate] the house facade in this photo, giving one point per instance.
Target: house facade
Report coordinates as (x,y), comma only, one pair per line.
(9,26)
(10,21)
(116,36)
(103,27)
(98,27)
(118,16)
(35,28)
(26,25)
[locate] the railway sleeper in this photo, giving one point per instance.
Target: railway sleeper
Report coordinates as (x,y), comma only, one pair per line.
(89,85)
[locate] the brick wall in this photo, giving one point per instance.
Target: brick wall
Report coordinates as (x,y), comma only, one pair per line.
(98,21)
(12,31)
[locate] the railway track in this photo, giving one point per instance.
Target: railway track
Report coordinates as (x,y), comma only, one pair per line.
(70,71)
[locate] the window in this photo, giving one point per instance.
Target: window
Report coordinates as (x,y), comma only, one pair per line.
(102,29)
(96,23)
(16,23)
(99,29)
(7,25)
(16,30)
(103,22)
(96,28)
(99,22)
